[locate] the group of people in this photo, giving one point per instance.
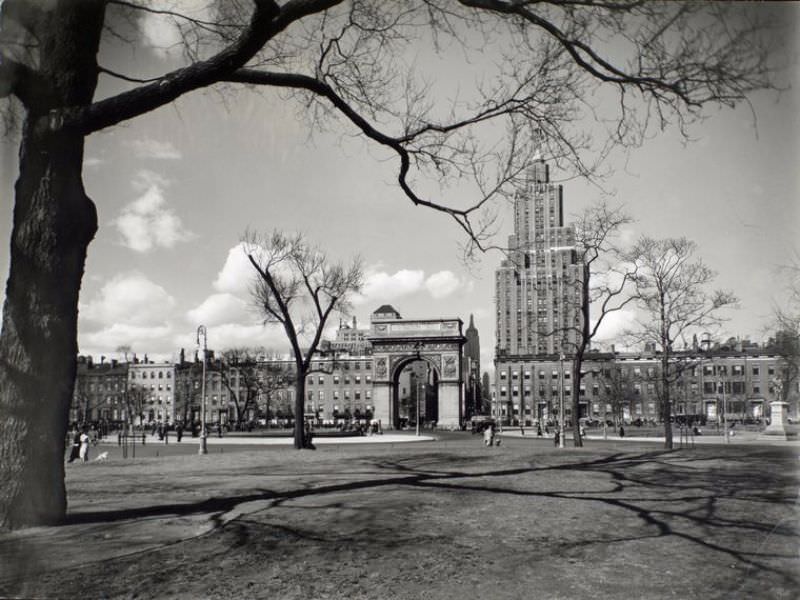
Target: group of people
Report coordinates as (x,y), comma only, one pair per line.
(80,445)
(490,436)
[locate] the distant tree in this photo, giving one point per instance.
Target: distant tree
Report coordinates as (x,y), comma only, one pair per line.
(786,324)
(352,60)
(239,371)
(275,381)
(124,350)
(135,398)
(617,389)
(604,287)
(186,394)
(671,289)
(298,287)
(81,399)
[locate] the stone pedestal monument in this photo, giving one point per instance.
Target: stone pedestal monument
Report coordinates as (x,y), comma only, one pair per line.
(777,421)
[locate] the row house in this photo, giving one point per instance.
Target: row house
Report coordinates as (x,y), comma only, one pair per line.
(99,392)
(627,386)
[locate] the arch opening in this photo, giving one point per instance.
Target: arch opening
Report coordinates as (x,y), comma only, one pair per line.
(415,393)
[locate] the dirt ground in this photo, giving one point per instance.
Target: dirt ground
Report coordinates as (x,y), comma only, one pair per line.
(450,519)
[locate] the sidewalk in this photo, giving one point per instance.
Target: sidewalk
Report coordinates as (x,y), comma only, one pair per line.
(744,438)
(235,440)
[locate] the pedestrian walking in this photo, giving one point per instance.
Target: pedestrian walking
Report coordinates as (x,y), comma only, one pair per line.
(538,430)
(179,431)
(488,435)
(621,431)
(84,451)
(557,438)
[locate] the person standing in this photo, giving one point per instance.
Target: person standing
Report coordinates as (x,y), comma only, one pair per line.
(84,451)
(75,450)
(179,431)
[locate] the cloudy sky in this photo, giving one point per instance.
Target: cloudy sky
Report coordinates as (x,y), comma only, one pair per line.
(177,188)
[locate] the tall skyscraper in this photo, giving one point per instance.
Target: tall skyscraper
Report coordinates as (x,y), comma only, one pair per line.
(536,286)
(472,370)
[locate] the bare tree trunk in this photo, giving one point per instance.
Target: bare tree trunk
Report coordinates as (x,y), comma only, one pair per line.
(576,400)
(666,405)
(54,221)
(299,409)
(583,342)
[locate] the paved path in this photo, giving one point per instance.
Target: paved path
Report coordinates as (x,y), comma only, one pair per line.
(234,440)
(741,438)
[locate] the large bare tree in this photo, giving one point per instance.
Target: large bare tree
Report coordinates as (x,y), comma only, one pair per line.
(350,60)
(299,288)
(671,288)
(604,287)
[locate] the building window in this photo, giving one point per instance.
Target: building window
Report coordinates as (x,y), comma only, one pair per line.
(755,371)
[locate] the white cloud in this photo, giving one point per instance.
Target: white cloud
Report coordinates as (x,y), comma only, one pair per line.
(218,309)
(615,324)
(236,274)
(149,148)
(442,284)
(233,335)
(130,299)
(380,286)
(140,338)
(147,223)
(161,31)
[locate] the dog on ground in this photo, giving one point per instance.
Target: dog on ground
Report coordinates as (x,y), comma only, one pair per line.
(102,456)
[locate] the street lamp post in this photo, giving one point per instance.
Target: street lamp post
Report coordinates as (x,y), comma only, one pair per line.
(724,415)
(561,401)
(201,331)
(419,392)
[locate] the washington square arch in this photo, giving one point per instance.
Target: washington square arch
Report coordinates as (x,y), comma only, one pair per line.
(397,343)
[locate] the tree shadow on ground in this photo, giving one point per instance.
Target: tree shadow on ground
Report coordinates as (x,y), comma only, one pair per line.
(670,493)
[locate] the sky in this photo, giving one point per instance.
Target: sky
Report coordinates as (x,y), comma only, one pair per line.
(177,188)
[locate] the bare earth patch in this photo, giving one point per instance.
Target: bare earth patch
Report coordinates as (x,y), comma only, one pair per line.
(450,520)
